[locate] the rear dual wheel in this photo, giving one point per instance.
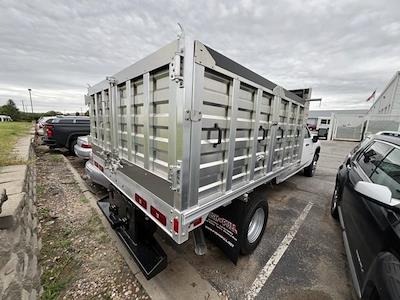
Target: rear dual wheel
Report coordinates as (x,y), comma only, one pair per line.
(254,223)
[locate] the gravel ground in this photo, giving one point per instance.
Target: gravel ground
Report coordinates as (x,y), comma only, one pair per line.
(78,258)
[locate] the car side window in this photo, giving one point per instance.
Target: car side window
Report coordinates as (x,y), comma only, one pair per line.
(388,173)
(372,156)
(82,121)
(306,133)
(66,121)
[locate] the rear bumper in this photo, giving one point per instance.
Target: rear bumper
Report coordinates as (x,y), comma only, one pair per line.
(96,175)
(49,142)
(83,153)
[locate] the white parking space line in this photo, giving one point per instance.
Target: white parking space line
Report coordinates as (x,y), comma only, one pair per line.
(269,267)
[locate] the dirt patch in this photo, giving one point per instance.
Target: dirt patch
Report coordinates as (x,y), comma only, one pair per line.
(78,258)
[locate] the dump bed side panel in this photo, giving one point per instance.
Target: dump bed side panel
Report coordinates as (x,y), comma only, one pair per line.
(250,127)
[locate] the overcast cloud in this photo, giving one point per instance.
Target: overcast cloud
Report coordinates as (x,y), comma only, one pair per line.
(342,49)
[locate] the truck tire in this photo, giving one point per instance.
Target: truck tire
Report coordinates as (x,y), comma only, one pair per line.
(71,146)
(309,171)
(255,216)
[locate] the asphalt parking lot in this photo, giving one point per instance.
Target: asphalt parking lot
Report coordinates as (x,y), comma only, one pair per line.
(301,255)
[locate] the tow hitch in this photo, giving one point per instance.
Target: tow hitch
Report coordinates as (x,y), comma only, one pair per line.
(136,231)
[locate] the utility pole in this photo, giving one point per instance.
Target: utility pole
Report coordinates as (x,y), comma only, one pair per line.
(23,106)
(30,96)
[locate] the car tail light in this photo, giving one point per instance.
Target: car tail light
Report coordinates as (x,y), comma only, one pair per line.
(49,131)
(86,145)
(176,225)
(141,201)
(158,215)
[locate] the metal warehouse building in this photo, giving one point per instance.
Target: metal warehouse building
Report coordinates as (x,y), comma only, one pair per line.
(384,114)
(353,125)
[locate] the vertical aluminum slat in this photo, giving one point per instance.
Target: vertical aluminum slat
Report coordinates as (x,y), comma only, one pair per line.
(96,107)
(103,107)
(274,128)
(113,123)
(186,100)
(91,118)
(129,118)
(172,122)
(195,147)
(146,119)
(232,133)
(118,118)
(286,139)
(255,132)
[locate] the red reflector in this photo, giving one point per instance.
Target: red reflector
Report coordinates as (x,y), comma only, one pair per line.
(158,215)
(86,146)
(100,167)
(196,222)
(141,201)
(176,225)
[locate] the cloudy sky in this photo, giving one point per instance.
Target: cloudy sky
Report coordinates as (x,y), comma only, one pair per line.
(344,50)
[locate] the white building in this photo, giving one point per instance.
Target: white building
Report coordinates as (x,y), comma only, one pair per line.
(384,113)
(388,101)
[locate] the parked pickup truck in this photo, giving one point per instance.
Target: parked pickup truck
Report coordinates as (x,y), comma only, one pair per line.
(184,136)
(63,132)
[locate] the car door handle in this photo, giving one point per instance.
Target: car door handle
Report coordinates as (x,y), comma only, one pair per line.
(307,145)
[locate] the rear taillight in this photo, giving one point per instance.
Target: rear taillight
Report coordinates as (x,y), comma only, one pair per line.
(141,201)
(176,225)
(49,131)
(158,215)
(99,166)
(86,146)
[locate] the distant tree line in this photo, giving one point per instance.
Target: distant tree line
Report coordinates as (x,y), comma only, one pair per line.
(10,109)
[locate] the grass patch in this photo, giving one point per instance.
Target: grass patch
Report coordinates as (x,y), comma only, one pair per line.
(39,190)
(58,274)
(9,134)
(44,213)
(56,157)
(83,199)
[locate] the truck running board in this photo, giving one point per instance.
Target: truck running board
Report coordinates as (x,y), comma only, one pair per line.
(144,248)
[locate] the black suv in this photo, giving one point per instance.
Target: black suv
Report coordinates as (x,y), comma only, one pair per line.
(366,199)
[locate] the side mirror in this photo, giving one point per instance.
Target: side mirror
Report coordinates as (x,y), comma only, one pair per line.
(315,138)
(378,194)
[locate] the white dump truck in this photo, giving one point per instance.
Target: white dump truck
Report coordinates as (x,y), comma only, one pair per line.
(184,136)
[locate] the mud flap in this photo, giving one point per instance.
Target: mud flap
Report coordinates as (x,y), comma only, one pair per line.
(222,226)
(136,232)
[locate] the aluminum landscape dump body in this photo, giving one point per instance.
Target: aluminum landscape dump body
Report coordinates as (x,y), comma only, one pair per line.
(187,130)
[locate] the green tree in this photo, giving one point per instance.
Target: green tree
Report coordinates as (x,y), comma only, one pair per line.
(10,109)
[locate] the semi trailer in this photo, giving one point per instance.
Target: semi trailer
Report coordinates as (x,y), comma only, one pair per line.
(184,136)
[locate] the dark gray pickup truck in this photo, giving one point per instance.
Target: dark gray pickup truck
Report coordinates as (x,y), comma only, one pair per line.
(63,132)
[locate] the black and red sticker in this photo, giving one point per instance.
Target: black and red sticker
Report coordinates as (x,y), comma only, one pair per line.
(221,227)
